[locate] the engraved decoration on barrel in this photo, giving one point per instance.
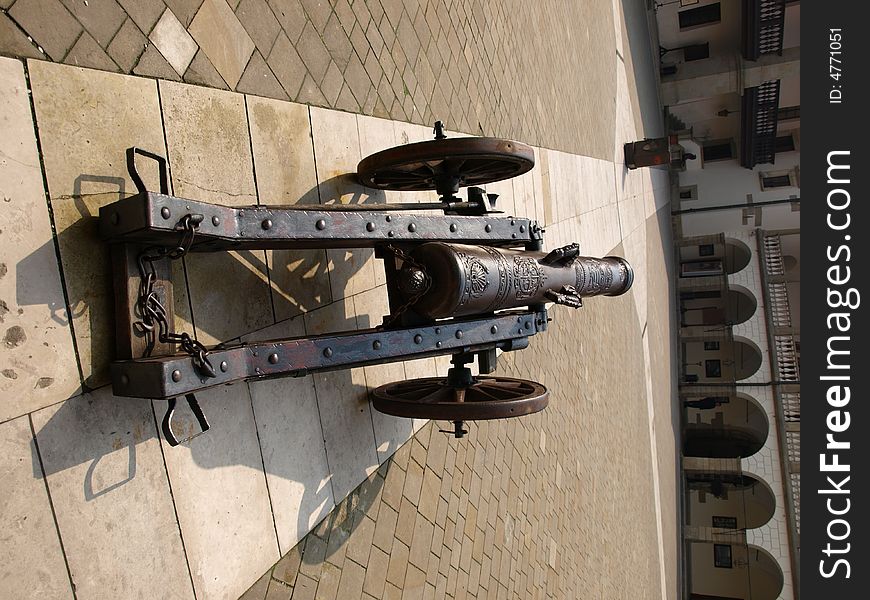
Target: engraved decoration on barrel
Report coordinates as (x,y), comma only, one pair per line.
(593,276)
(528,277)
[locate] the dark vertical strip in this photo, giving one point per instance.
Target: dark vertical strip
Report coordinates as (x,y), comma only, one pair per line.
(172,192)
(172,496)
(834,98)
(263,463)
(51,505)
(51,221)
(257,193)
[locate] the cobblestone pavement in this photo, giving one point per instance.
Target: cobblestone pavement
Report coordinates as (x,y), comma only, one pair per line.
(523,70)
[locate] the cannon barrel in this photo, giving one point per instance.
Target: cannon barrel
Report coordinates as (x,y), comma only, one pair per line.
(454,280)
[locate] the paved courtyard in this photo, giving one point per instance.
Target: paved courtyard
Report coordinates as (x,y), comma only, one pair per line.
(301,489)
(533,71)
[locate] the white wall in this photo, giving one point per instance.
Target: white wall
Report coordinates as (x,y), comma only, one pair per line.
(726,182)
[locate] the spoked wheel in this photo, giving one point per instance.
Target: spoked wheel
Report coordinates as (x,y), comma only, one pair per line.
(445,165)
(484,398)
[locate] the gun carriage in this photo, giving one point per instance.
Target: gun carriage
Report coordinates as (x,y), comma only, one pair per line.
(462,279)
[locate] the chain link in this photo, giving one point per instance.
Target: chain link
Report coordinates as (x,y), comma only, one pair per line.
(154,315)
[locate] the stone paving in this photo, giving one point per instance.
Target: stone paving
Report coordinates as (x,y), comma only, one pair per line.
(302,474)
(523,70)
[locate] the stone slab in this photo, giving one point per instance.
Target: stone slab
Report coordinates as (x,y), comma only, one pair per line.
(342,399)
(202,72)
(101,18)
(144,13)
(152,64)
(283,152)
(87,53)
(127,46)
(337,150)
(284,164)
(210,156)
(223,39)
(37,359)
(390,432)
(31,557)
(260,23)
(51,25)
(14,42)
(173,41)
(112,499)
(86,120)
(259,80)
(524,196)
(294,457)
(221,496)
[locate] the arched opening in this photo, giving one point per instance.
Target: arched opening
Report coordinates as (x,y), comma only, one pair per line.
(717,361)
(713,257)
(727,426)
(732,504)
(717,307)
(732,571)
(737,255)
(747,358)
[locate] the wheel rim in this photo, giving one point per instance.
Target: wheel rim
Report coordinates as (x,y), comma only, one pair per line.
(485,398)
(445,165)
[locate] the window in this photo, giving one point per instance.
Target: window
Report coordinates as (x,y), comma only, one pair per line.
(710,346)
(700,295)
(718,150)
(706,250)
(696,52)
(775,179)
(703,15)
(725,522)
(689,192)
(722,556)
(701,268)
(784,143)
(713,368)
(788,112)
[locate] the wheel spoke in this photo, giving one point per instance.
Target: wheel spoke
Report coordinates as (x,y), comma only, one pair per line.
(413,388)
(501,393)
(479,168)
(511,383)
(484,396)
(434,395)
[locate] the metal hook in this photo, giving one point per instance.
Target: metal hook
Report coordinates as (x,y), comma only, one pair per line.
(134,174)
(166,426)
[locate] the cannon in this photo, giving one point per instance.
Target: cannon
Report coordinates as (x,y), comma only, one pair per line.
(462,278)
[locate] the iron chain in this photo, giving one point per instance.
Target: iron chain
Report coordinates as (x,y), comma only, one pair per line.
(154,316)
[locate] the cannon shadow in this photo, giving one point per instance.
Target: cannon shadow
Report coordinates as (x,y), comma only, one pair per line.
(107,443)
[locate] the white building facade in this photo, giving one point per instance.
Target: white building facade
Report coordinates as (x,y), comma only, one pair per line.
(731,85)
